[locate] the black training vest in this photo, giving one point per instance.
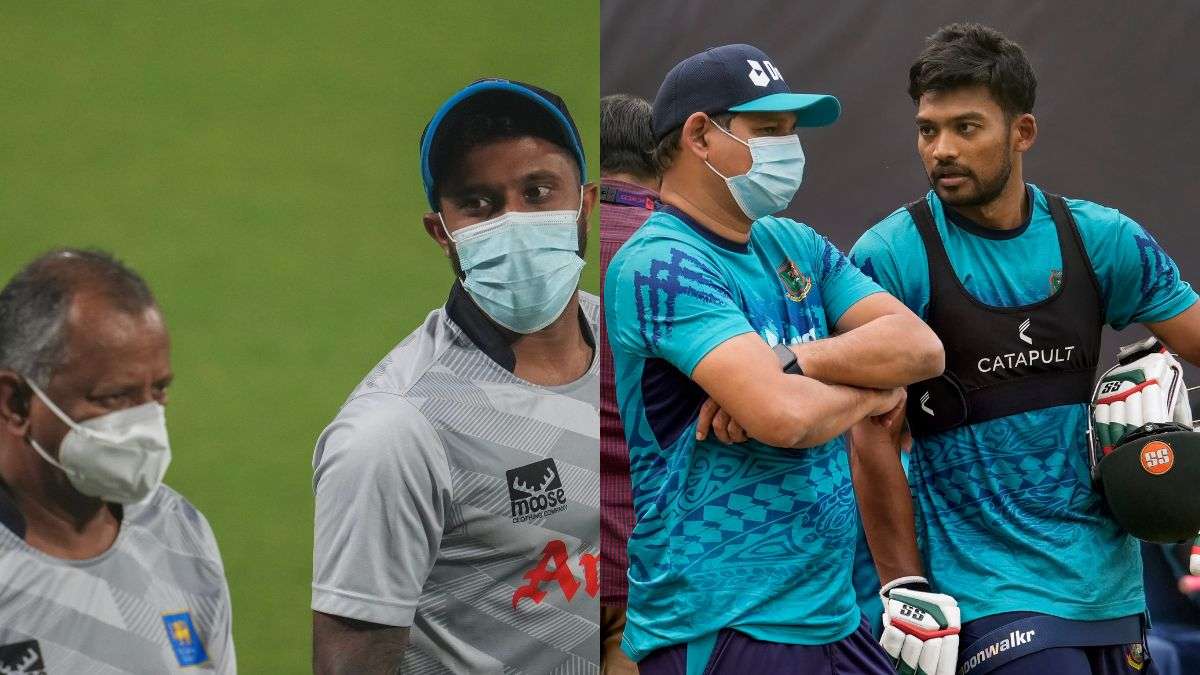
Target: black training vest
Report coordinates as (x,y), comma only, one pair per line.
(1006,360)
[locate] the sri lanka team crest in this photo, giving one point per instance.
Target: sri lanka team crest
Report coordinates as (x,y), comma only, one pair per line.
(181,632)
(795,284)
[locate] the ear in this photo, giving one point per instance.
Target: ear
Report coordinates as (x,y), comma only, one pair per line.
(590,195)
(693,139)
(1024,132)
(15,397)
(433,227)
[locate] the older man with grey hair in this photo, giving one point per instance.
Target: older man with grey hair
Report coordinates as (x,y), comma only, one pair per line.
(103,569)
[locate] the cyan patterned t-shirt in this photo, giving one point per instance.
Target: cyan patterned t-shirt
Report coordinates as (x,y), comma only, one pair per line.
(743,536)
(1006,515)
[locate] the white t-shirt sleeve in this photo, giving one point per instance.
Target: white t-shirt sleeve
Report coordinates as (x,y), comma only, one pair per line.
(382,483)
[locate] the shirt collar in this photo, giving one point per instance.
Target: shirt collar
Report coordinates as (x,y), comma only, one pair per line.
(958,219)
(491,339)
(10,516)
(713,237)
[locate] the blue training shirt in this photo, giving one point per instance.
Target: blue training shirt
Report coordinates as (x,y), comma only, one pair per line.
(1006,515)
(743,536)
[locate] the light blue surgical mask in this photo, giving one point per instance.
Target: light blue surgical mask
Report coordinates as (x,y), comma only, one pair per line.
(521,267)
(776,170)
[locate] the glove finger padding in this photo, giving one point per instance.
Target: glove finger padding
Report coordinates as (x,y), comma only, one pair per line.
(920,630)
(931,652)
(1145,387)
(948,660)
(1195,566)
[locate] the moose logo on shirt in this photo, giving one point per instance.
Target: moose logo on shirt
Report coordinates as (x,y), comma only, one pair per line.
(21,657)
(535,491)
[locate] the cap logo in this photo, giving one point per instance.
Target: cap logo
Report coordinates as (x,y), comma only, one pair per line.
(1157,458)
(761,74)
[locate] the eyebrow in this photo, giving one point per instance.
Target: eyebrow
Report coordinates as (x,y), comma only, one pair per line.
(965,117)
(541,174)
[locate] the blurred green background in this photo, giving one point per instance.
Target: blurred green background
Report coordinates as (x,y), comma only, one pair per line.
(257,162)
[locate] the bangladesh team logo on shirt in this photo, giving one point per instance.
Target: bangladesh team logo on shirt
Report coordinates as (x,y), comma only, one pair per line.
(795,284)
(1055,280)
(22,657)
(535,490)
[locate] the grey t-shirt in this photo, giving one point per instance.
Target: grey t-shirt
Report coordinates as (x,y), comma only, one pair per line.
(155,602)
(460,500)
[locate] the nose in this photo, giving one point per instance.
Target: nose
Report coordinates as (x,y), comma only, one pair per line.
(943,149)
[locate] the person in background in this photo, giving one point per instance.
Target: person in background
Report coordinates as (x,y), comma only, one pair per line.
(103,569)
(629,181)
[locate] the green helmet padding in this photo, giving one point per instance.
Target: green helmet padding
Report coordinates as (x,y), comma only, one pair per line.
(1152,485)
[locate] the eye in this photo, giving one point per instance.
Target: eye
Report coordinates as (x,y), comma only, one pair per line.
(967,128)
(536,194)
(111,401)
(472,204)
(926,130)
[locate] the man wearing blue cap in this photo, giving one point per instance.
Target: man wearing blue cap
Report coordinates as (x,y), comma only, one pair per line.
(457,490)
(1018,283)
(740,556)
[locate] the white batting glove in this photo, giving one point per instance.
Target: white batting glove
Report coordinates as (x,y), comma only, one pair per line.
(1146,387)
(1195,566)
(920,628)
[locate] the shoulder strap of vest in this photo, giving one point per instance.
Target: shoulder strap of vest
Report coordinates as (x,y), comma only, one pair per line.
(938,260)
(1074,254)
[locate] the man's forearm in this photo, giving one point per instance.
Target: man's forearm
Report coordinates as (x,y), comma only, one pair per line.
(817,413)
(890,351)
(885,505)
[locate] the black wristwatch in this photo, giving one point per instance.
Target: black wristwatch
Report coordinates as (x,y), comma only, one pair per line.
(787,360)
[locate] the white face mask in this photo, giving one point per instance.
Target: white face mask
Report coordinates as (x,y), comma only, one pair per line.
(119,457)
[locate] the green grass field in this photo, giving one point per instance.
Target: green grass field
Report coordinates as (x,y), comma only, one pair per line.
(257,162)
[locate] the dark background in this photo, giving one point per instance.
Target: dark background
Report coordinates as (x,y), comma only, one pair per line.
(1118,101)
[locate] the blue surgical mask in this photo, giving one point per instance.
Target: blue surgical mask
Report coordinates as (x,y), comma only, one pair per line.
(521,267)
(776,170)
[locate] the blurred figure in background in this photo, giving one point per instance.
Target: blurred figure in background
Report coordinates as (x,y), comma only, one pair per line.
(629,181)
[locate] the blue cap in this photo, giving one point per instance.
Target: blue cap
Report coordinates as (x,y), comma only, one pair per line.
(495,96)
(734,78)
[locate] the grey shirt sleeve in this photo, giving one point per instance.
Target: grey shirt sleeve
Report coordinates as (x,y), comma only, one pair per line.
(382,483)
(220,644)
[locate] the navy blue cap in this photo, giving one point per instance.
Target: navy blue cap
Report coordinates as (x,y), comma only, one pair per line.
(734,78)
(493,94)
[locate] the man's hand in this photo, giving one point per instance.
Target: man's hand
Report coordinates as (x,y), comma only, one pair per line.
(888,429)
(713,418)
(1146,387)
(920,628)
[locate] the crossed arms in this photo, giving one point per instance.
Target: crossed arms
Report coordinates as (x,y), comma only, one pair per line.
(880,347)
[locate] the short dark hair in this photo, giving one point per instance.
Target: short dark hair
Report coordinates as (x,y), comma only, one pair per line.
(35,302)
(970,54)
(487,118)
(626,139)
(668,146)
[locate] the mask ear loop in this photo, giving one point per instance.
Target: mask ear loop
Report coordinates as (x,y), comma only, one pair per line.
(58,413)
(729,134)
(66,419)
(445,229)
